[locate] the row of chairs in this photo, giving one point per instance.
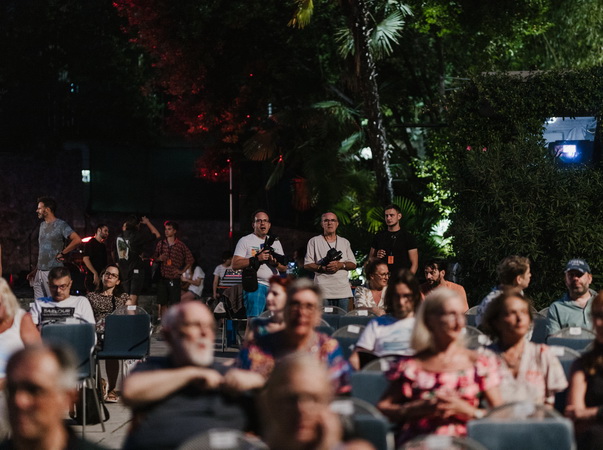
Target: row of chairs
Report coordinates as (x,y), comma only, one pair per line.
(126,337)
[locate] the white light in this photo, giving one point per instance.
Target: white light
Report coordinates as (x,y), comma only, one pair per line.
(552,120)
(569,150)
(366,153)
(85,176)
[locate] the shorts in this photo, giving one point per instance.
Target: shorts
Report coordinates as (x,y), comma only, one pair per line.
(133,281)
(255,302)
(168,291)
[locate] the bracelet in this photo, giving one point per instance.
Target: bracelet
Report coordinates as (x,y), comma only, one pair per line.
(344,268)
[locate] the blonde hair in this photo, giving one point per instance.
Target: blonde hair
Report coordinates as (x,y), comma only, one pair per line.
(422,337)
(11,304)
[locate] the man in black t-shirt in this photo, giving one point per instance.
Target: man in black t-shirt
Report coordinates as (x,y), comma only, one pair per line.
(95,257)
(396,247)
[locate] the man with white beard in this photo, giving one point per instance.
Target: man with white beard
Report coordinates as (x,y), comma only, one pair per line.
(184,393)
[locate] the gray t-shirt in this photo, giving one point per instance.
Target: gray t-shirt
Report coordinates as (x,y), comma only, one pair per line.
(51,241)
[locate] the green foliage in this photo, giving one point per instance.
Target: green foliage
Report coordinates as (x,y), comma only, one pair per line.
(508,196)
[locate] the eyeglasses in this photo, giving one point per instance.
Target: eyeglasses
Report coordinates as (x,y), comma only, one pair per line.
(383,275)
(262,220)
(309,307)
(111,275)
(60,287)
(329,220)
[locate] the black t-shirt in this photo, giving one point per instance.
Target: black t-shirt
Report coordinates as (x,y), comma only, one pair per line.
(130,246)
(97,252)
(396,245)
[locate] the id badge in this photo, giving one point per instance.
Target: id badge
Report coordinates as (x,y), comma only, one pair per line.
(390,259)
(168,262)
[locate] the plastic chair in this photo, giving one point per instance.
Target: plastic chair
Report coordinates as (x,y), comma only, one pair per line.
(224,439)
(573,337)
(539,328)
(474,338)
(334,310)
(347,344)
(369,386)
(352,331)
(332,320)
(442,442)
(566,357)
(380,365)
(126,337)
(354,320)
(81,337)
(266,314)
(325,329)
(544,311)
(470,315)
(360,313)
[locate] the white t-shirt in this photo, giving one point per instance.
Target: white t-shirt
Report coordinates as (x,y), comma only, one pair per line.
(46,310)
(251,245)
(198,274)
(333,285)
(387,335)
(220,270)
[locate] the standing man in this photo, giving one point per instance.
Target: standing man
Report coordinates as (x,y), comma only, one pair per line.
(95,257)
(250,251)
(175,259)
(435,273)
(395,246)
(573,309)
(331,257)
(55,240)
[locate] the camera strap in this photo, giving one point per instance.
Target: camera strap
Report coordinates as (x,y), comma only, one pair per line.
(335,246)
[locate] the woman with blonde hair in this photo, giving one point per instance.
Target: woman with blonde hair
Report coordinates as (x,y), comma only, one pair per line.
(438,390)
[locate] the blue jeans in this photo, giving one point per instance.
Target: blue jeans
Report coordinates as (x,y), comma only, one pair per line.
(341,302)
(255,302)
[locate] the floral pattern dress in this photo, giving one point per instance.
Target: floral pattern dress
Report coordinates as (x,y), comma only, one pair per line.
(417,383)
(103,305)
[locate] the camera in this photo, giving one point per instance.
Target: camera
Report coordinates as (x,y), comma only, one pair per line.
(332,255)
(268,243)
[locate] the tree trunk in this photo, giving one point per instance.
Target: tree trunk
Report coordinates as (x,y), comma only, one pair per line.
(357,14)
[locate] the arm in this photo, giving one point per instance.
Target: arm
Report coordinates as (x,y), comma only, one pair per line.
(151,227)
(29,332)
(395,407)
(142,388)
(91,268)
(576,408)
(413,255)
(215,285)
(74,241)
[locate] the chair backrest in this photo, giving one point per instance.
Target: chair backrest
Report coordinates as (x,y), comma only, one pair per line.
(360,312)
(222,438)
(332,320)
(470,315)
(266,313)
(354,320)
(347,345)
(81,337)
(474,338)
(334,310)
(127,337)
(573,337)
(352,331)
(369,386)
(325,329)
(533,434)
(442,442)
(380,365)
(544,311)
(129,310)
(566,356)
(539,328)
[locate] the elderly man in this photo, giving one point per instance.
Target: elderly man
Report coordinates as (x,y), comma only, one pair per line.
(180,395)
(41,384)
(573,309)
(435,273)
(331,257)
(51,241)
(61,306)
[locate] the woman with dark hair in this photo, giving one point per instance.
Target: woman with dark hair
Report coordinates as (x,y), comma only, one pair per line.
(438,390)
(585,398)
(390,334)
(372,296)
(275,303)
(529,371)
(109,296)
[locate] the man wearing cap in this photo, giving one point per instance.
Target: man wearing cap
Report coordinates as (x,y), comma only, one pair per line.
(573,309)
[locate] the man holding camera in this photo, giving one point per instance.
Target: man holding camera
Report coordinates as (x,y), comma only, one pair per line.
(251,252)
(331,256)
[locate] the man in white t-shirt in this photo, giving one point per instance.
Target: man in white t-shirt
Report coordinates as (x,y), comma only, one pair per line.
(331,274)
(61,306)
(250,251)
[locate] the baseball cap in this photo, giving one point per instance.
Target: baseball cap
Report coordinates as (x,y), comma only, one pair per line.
(577,264)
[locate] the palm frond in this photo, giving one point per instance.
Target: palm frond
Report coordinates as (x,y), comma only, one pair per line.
(261,146)
(303,14)
(386,34)
(277,173)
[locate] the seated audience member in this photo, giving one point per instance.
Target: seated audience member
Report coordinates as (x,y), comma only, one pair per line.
(585,398)
(295,407)
(390,334)
(41,385)
(275,303)
(16,331)
(192,283)
(439,389)
(435,273)
(513,276)
(61,305)
(302,315)
(529,371)
(220,270)
(184,393)
(573,309)
(104,301)
(372,296)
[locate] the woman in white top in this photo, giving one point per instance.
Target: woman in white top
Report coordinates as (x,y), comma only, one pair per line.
(372,296)
(16,330)
(192,279)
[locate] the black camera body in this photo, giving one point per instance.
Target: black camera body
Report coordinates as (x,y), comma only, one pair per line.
(268,243)
(332,255)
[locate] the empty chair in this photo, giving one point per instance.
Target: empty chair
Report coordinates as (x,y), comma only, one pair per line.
(81,337)
(332,319)
(470,315)
(352,331)
(442,442)
(360,312)
(369,386)
(223,438)
(573,337)
(347,344)
(380,364)
(334,310)
(566,356)
(354,320)
(539,328)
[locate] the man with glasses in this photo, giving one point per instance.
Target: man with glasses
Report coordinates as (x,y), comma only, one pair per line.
(435,273)
(250,251)
(330,256)
(61,306)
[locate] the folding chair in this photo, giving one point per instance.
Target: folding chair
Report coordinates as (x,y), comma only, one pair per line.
(566,357)
(351,331)
(81,337)
(369,386)
(347,345)
(354,320)
(223,438)
(573,337)
(380,365)
(470,315)
(441,442)
(539,328)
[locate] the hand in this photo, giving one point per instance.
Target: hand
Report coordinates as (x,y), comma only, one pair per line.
(31,275)
(579,414)
(145,220)
(60,257)
(96,280)
(238,380)
(161,258)
(381,254)
(451,405)
(263,256)
(207,378)
(333,267)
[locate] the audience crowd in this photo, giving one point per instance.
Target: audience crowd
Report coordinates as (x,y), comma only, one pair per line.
(287,372)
